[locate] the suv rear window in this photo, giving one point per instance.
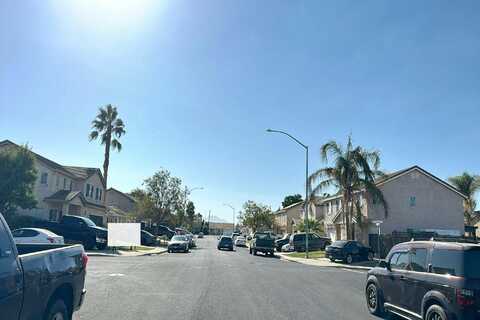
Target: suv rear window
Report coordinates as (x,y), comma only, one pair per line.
(456,262)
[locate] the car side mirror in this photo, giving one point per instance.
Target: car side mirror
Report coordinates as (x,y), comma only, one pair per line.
(384,264)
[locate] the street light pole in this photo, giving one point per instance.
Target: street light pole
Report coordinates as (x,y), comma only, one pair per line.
(307,193)
(233,209)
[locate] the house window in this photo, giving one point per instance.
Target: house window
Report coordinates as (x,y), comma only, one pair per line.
(96,194)
(53,215)
(71,184)
(88,190)
(57,183)
(44,178)
(64,183)
(100,195)
(413,201)
(329,207)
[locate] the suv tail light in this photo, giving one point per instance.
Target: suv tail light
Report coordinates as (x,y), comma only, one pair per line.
(84,259)
(465,297)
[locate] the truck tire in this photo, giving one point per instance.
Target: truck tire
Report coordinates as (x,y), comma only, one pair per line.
(57,311)
(88,244)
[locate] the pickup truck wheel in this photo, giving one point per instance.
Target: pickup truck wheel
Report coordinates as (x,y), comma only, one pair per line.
(57,311)
(88,244)
(349,259)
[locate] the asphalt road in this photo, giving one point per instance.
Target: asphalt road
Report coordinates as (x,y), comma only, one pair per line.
(211,284)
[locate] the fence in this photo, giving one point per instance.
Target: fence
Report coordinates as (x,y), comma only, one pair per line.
(387,241)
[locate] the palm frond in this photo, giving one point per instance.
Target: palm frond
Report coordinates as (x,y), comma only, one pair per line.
(330,148)
(377,195)
(93,135)
(116,145)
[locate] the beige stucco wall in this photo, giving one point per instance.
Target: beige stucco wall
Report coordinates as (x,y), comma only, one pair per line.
(437,207)
(120,201)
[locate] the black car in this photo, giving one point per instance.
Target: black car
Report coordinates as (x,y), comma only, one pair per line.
(225,243)
(147,239)
(315,242)
(281,242)
(348,251)
(79,229)
(427,280)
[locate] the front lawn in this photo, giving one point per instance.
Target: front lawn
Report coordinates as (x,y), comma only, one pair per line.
(311,254)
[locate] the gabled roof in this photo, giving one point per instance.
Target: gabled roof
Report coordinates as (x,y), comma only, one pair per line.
(397,174)
(65,196)
(126,195)
(282,210)
(85,172)
(80,173)
(40,158)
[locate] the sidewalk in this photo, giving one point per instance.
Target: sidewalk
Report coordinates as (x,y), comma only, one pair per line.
(127,253)
(321,262)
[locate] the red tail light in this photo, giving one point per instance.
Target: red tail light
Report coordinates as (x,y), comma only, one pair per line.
(51,240)
(465,297)
(84,259)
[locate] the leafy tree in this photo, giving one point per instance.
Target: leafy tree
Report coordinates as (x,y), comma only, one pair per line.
(161,198)
(468,184)
(256,216)
(313,226)
(292,199)
(17,180)
(109,128)
(190,214)
(354,169)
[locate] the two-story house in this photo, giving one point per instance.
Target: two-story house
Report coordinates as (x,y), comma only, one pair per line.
(63,190)
(121,206)
(287,218)
(417,200)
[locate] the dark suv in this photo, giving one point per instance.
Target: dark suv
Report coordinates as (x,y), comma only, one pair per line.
(315,242)
(427,280)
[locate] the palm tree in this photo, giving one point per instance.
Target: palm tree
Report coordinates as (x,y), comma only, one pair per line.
(468,184)
(109,128)
(353,171)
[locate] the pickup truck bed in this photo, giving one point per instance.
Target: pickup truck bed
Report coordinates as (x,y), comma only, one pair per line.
(35,277)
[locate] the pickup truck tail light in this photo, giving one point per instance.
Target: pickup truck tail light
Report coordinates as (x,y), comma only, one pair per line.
(465,297)
(84,259)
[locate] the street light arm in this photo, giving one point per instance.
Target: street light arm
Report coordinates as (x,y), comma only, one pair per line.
(289,135)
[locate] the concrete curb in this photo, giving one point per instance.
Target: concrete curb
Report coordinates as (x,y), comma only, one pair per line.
(317,263)
(129,254)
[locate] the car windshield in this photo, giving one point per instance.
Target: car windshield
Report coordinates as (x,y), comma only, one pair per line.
(89,222)
(263,236)
(339,243)
(179,238)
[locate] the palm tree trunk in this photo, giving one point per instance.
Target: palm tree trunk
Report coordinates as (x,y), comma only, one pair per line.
(346,199)
(106,163)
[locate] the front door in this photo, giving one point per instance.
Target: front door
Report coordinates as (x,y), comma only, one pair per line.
(395,279)
(11,285)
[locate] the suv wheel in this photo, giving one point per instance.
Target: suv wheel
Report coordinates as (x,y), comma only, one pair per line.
(374,299)
(435,312)
(57,311)
(349,259)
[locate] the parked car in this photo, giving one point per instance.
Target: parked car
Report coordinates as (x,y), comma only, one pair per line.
(147,239)
(315,242)
(178,243)
(262,242)
(191,240)
(348,251)
(36,235)
(37,288)
(200,235)
(240,241)
(427,280)
(287,248)
(165,231)
(79,229)
(225,243)
(282,241)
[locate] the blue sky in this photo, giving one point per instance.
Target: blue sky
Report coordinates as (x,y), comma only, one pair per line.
(198,82)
